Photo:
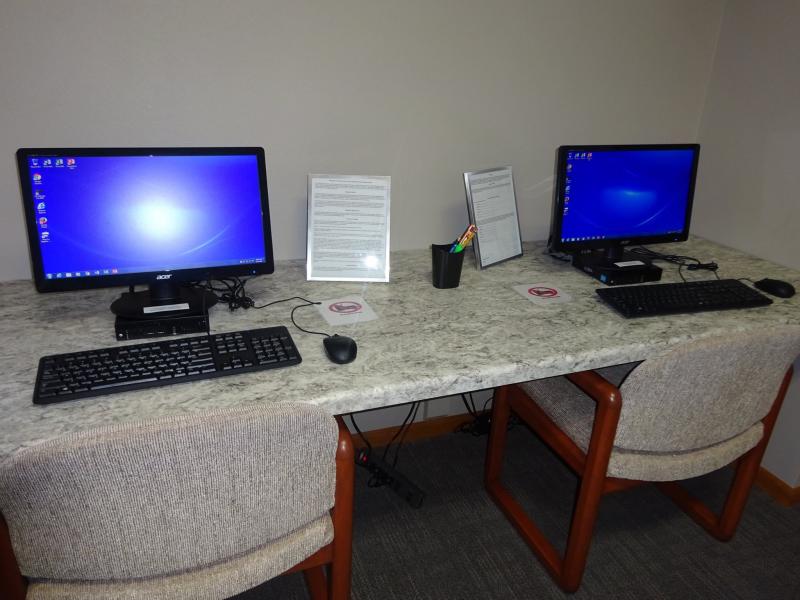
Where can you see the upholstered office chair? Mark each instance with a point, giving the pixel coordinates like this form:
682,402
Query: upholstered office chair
687,412
197,507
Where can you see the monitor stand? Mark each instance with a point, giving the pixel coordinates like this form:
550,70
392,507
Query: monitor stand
614,266
161,310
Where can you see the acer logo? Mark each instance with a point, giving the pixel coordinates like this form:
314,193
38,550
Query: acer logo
167,276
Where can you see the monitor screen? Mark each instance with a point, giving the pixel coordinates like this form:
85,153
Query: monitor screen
122,216
609,195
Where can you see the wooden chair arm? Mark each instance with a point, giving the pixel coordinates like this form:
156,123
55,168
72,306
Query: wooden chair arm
597,388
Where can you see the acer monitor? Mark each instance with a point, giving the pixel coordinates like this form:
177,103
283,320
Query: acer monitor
609,197
160,217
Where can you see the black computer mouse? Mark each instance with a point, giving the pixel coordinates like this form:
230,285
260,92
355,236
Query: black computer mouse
776,287
340,348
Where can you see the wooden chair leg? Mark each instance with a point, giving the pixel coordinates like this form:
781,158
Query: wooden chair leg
341,565
13,585
723,527
567,571
495,452
498,432
316,582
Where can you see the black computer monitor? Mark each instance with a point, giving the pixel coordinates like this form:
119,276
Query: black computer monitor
164,217
609,197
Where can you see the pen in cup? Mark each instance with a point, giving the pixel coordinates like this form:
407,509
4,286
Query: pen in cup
464,239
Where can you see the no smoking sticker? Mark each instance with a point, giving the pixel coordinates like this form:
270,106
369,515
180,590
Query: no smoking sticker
346,311
543,293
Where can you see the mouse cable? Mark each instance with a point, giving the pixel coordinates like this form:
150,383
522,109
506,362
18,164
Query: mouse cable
294,308
232,292
689,262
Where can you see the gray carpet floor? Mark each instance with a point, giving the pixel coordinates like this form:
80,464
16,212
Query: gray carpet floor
458,545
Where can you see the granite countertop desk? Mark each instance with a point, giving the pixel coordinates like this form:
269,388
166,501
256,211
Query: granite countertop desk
426,342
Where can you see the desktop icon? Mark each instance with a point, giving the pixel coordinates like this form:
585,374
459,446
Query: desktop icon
37,176
43,221
58,275
34,162
113,271
70,162
40,207
569,167
47,162
45,236
49,275
59,162
68,275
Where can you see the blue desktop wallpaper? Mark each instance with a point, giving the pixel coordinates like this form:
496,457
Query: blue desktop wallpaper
130,214
628,193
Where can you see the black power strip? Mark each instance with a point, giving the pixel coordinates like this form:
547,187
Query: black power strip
391,477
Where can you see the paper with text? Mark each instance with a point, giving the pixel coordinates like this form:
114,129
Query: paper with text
348,228
493,209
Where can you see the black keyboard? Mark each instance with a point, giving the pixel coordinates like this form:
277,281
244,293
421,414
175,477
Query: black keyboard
64,377
671,298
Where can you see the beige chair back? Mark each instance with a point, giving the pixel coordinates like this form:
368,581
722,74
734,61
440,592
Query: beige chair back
169,495
704,392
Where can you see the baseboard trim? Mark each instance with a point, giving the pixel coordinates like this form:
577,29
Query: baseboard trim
429,428
781,491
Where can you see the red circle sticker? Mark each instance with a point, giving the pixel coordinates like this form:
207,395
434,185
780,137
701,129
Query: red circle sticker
345,308
543,292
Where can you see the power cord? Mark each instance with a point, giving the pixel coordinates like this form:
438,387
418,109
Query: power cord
384,474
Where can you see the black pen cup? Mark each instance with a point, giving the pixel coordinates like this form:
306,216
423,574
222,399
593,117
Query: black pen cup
446,266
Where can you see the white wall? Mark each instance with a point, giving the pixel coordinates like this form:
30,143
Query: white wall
419,90
749,176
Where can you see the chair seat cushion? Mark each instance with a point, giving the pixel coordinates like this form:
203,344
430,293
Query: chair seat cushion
220,580
573,412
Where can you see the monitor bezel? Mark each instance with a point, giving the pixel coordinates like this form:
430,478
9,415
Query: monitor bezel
145,277
556,219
